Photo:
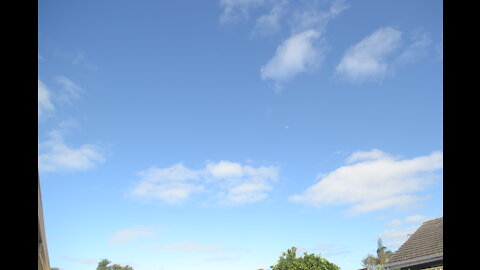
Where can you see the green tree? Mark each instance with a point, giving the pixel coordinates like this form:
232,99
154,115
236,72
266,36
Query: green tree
378,262
289,261
103,265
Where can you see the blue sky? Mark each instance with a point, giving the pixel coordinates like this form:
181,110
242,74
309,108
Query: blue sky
218,134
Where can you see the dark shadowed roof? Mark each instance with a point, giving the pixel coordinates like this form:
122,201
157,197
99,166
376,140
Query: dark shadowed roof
426,241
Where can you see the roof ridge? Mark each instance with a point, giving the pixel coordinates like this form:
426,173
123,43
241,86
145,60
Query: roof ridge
433,219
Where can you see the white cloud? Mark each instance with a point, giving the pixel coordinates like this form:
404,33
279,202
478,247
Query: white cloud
56,155
364,156
225,169
172,185
303,51
241,183
45,104
368,59
230,182
379,182
295,55
127,235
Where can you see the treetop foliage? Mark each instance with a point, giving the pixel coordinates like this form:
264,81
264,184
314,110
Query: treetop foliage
103,265
289,261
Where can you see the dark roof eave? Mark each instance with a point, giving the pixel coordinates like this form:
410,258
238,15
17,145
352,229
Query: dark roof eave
415,261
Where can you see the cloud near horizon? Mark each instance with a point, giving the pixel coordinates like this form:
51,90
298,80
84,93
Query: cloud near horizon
373,181
229,182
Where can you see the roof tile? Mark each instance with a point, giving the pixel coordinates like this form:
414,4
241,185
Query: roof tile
427,240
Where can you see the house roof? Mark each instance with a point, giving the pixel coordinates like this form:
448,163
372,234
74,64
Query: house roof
427,241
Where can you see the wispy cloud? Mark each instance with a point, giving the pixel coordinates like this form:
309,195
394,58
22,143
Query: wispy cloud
222,259
229,182
376,181
128,235
420,40
298,54
395,223
190,246
369,155
415,219
172,185
394,238
312,15
45,104
67,93
55,155
269,23
368,59
69,90
237,10
305,49
439,49
79,58
326,249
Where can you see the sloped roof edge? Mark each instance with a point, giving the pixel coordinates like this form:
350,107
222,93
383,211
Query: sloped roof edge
415,261
426,241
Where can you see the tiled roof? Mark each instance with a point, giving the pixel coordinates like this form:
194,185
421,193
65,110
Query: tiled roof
426,241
